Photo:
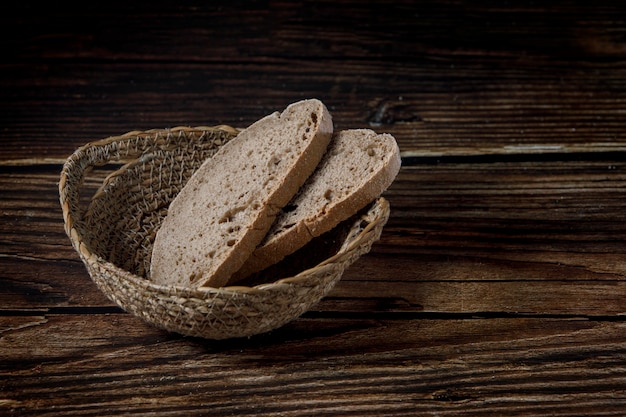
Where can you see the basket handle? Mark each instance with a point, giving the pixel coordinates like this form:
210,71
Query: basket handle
113,149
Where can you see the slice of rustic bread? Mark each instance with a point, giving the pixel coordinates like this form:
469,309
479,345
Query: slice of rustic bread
358,166
226,208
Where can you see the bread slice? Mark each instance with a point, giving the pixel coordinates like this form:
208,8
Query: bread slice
226,208
358,166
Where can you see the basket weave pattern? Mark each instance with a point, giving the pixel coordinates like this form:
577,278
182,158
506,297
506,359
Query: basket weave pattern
114,234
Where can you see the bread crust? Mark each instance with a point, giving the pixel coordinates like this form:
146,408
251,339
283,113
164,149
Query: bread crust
226,208
369,162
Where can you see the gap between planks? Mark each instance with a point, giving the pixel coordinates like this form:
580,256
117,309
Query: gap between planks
512,154
336,314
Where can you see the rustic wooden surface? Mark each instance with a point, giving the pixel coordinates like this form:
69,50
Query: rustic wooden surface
498,286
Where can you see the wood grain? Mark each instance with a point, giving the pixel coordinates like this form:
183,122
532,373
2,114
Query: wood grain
498,285
431,108
525,237
444,78
374,367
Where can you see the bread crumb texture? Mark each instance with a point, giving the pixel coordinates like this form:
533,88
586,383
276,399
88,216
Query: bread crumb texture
349,168
227,206
358,167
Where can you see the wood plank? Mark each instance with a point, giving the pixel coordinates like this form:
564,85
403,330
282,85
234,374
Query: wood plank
367,286
448,88
374,366
430,107
544,203
514,237
517,31
535,298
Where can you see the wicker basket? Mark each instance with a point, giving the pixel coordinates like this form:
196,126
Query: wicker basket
113,232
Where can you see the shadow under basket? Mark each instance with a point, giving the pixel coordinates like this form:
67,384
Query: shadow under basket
113,233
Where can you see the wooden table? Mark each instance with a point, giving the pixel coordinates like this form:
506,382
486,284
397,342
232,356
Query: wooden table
498,286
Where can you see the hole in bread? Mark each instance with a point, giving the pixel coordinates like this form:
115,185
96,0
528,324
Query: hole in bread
210,254
231,242
287,226
268,181
290,207
229,215
314,117
371,151
193,277
274,161
328,195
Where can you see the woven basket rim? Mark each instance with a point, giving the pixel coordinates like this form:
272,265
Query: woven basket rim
199,292
203,291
